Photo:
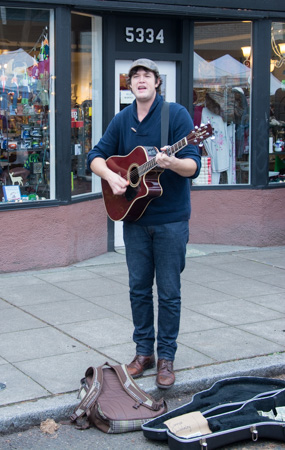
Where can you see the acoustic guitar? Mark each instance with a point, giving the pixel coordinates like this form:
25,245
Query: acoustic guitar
140,168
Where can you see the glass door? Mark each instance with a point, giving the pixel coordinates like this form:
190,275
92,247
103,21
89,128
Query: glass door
124,97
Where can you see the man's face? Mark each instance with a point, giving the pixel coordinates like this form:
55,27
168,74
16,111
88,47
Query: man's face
143,85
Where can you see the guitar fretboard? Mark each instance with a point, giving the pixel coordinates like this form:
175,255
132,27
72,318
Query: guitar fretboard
171,150
196,136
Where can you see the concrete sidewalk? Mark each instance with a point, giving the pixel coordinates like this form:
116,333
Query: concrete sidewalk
55,323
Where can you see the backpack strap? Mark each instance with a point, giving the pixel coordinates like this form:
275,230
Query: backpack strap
164,124
129,385
93,391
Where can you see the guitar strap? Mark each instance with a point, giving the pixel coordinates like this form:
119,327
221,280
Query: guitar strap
164,123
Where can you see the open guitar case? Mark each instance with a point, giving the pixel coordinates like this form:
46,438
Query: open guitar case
236,409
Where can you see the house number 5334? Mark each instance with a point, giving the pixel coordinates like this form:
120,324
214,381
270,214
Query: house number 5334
144,35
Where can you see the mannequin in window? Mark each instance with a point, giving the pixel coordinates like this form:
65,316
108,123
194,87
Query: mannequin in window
218,148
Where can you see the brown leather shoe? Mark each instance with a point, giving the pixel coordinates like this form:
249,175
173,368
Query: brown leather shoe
139,364
165,375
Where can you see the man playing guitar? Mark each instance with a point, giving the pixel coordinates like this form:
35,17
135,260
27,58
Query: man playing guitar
156,241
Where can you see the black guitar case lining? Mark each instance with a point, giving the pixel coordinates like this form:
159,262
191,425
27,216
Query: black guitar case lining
232,408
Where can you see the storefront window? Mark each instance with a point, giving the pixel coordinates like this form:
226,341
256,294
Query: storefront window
222,80
277,105
86,97
26,105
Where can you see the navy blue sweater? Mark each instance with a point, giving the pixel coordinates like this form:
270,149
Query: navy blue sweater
125,132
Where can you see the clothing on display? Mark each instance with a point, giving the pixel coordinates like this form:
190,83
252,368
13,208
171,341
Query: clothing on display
228,113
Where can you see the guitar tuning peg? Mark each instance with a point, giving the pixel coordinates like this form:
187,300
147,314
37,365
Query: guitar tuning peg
196,127
213,137
201,144
202,125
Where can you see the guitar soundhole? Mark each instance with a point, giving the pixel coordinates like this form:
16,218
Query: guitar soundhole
133,176
134,185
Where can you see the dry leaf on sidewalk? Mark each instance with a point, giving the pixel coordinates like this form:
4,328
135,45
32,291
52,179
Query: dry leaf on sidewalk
49,426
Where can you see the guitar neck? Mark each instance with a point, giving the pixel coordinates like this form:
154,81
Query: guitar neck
195,137
171,150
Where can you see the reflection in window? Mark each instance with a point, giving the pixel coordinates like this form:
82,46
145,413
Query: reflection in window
86,101
277,105
25,105
222,78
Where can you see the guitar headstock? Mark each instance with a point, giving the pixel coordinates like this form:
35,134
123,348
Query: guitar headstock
199,134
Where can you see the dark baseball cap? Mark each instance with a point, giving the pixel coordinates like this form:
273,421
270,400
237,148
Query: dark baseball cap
145,63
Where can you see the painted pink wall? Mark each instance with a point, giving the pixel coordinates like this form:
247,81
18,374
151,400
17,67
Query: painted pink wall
52,237
60,236
238,217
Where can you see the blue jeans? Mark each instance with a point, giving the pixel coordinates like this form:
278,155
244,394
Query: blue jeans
156,251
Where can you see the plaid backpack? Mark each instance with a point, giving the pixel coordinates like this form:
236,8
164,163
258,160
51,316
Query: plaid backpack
113,402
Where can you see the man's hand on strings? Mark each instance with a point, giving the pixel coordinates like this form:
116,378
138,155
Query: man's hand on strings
117,183
185,167
164,161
